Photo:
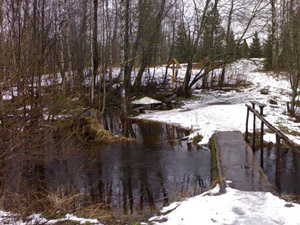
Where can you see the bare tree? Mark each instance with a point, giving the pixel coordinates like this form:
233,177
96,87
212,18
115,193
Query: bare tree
273,33
124,8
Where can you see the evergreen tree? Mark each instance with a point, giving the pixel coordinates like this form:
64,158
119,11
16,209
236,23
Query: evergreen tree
213,36
183,44
267,53
231,47
244,49
255,47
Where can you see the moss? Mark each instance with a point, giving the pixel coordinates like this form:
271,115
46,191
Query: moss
286,130
214,166
197,139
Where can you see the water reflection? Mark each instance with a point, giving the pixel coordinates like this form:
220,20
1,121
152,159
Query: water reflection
132,177
290,169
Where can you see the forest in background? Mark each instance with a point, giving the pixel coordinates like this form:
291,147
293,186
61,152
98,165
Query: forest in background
76,45
78,40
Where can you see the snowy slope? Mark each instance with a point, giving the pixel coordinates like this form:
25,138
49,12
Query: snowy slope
234,207
220,111
224,111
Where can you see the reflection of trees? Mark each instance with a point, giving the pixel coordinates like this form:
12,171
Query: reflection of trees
145,190
170,135
129,176
174,134
118,125
163,187
127,182
127,129
151,134
127,195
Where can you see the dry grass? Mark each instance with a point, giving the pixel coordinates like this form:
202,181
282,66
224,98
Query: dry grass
100,135
216,181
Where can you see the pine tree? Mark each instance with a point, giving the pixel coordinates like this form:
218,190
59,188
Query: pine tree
255,47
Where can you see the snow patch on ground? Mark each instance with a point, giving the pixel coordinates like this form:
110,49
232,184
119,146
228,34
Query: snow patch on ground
233,207
213,111
219,111
10,218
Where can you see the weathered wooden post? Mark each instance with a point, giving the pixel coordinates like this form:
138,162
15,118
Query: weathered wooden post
247,121
262,138
174,65
254,119
288,107
278,163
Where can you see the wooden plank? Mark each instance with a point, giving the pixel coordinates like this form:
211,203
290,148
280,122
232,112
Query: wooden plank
238,164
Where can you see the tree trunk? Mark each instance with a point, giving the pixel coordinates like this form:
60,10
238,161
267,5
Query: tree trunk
222,78
123,55
127,75
82,42
69,63
136,44
62,58
148,53
110,56
187,79
273,34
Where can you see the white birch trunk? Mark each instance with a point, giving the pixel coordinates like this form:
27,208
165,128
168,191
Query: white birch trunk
61,22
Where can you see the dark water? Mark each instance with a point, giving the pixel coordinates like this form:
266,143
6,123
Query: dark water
156,169
290,169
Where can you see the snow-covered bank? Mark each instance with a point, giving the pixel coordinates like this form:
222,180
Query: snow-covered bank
10,218
233,207
215,111
219,110
206,113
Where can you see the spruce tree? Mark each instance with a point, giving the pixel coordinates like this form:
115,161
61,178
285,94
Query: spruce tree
267,53
182,44
231,45
244,49
213,35
255,47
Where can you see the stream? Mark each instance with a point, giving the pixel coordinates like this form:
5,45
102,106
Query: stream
133,177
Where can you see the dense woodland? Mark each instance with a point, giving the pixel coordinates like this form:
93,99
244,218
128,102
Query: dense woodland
78,40
75,47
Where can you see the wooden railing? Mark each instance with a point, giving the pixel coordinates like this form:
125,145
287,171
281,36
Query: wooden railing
279,136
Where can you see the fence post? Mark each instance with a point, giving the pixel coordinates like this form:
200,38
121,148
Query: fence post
247,121
254,118
278,163
262,138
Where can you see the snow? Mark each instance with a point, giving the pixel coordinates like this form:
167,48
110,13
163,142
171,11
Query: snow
206,113
146,101
213,111
233,207
10,218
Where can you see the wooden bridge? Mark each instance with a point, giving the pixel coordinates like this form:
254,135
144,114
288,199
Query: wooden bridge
235,158
237,163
